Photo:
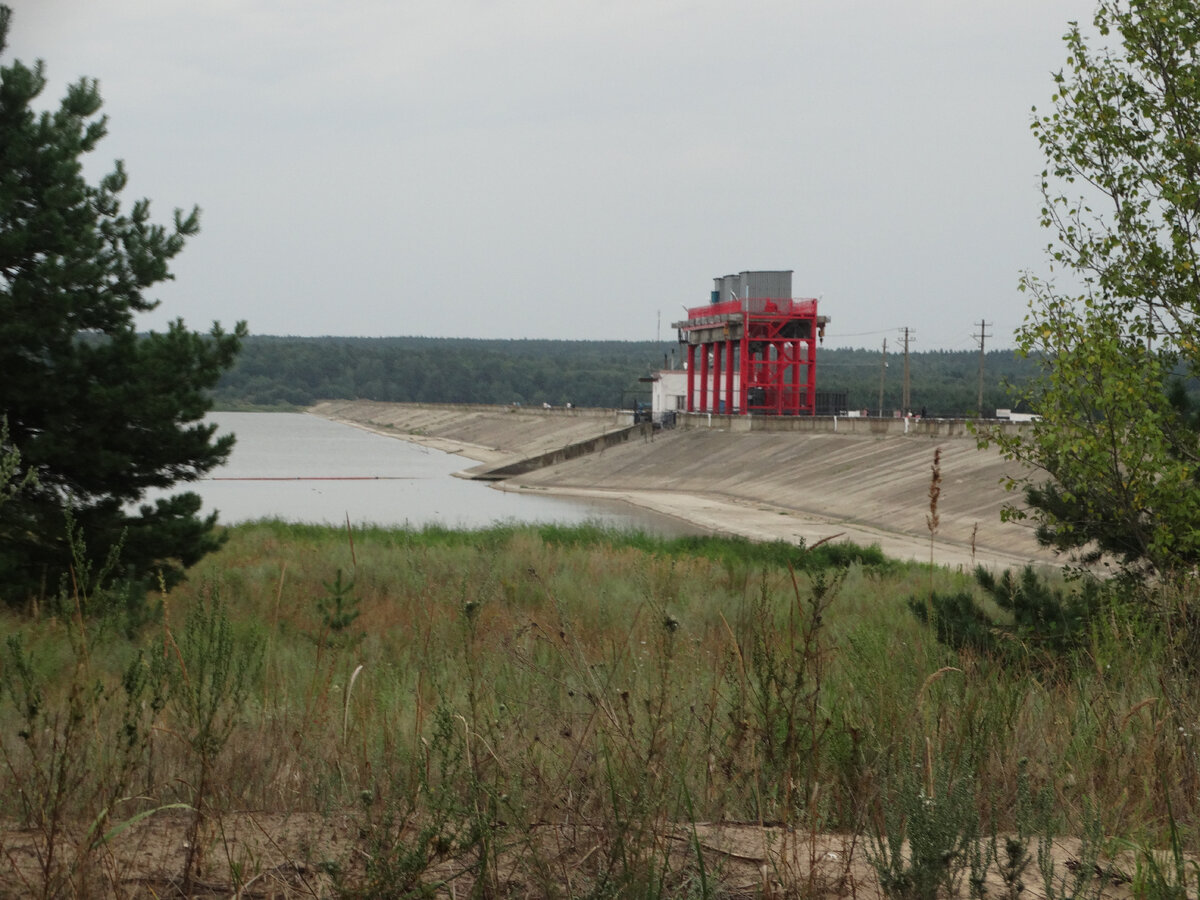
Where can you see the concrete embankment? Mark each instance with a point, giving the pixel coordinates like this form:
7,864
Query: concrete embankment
497,436
864,482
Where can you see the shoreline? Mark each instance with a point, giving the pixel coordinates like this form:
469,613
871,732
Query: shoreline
718,512
759,522
475,452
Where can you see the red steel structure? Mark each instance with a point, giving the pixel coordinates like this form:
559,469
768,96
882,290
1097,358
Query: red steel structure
753,356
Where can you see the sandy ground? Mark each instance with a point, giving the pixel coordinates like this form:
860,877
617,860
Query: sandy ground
267,855
791,487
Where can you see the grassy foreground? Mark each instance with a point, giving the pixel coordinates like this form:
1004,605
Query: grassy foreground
552,712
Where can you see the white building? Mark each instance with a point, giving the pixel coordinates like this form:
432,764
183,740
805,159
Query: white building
668,393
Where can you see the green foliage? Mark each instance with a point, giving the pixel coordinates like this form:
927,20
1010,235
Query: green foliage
12,479
80,743
1038,621
778,698
419,824
1084,876
95,592
211,673
338,609
1014,861
555,719
98,413
1165,876
944,382
1044,616
1121,193
293,372
728,550
923,834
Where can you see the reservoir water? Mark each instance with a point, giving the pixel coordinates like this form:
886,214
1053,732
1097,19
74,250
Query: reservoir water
302,468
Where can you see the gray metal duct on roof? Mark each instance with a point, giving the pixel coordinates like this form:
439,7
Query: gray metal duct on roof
772,285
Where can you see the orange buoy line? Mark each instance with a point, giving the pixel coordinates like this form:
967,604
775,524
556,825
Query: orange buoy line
310,478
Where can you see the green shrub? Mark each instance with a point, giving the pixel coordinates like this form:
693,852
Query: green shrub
1037,619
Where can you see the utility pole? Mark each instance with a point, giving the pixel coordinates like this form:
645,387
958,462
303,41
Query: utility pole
906,401
981,336
882,370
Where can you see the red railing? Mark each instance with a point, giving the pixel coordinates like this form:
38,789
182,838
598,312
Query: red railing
756,306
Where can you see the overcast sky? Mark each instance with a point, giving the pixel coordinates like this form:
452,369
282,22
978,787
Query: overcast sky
570,169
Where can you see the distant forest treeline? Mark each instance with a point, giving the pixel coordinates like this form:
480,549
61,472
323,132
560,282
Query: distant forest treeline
293,371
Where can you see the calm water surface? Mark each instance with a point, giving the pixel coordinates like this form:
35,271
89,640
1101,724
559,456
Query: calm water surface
302,468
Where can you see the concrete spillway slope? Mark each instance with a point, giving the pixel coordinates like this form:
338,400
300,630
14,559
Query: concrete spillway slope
496,436
871,489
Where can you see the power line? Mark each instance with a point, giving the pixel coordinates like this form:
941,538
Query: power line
841,334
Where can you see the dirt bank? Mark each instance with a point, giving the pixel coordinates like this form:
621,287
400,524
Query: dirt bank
793,486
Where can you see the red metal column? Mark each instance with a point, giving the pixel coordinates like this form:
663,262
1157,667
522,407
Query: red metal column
691,367
729,403
801,378
716,378
797,385
744,369
812,371
783,365
704,377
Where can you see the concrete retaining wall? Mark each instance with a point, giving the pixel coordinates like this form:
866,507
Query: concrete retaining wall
561,455
940,428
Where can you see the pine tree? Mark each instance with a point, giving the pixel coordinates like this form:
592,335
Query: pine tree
99,413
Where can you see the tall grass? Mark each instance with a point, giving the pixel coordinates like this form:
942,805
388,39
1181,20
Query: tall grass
564,712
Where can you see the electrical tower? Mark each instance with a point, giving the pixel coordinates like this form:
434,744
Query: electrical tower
906,400
882,372
983,326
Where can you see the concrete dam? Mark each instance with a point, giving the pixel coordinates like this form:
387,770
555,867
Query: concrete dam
765,478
